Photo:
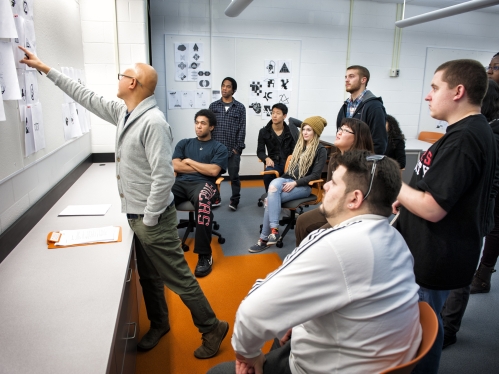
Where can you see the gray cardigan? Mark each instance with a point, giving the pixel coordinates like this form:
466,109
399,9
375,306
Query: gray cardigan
144,169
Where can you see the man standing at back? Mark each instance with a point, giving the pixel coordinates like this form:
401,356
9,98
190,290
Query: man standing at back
363,105
231,132
446,209
144,174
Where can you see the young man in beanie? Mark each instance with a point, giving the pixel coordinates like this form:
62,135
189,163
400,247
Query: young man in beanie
341,300
446,209
363,105
307,162
231,132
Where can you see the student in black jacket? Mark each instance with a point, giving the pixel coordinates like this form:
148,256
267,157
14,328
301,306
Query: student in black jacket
396,141
363,105
278,141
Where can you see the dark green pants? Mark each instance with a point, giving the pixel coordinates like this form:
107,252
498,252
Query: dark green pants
160,261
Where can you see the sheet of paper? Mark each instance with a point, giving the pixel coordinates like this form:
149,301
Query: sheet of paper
181,71
66,120
31,81
19,41
9,84
269,84
29,137
204,79
22,86
270,69
255,107
283,97
2,109
196,52
174,100
193,70
17,7
75,123
284,68
86,210
188,99
216,95
7,25
202,98
29,38
35,116
94,235
256,88
181,52
26,7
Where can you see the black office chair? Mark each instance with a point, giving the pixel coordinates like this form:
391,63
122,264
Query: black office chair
190,224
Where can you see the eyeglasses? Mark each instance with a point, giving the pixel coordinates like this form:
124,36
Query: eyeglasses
374,159
343,129
127,76
495,67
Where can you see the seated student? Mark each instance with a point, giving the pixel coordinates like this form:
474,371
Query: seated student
277,137
396,141
352,134
307,162
198,162
347,293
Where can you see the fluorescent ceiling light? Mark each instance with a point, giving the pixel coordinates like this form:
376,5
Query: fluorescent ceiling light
236,7
446,12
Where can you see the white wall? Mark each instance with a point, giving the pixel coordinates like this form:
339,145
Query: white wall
322,26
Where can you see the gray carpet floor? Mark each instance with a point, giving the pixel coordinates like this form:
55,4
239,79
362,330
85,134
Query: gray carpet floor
477,347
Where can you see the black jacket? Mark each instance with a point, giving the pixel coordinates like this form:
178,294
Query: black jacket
372,112
268,139
396,151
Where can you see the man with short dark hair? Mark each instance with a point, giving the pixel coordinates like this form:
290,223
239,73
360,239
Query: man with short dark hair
198,162
363,105
231,132
278,140
345,295
447,207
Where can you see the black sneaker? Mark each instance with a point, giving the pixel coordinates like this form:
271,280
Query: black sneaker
233,205
204,266
259,246
217,202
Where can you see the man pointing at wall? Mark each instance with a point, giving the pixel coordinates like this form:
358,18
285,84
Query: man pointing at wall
145,177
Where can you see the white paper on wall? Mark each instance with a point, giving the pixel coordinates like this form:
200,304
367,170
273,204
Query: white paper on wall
17,7
188,99
267,108
269,96
75,123
285,84
270,69
29,38
35,120
196,53
256,88
19,41
29,137
269,84
66,120
22,86
26,8
181,71
193,70
181,52
7,25
202,99
174,100
2,110
82,118
283,97
284,68
216,95
9,84
30,77
255,107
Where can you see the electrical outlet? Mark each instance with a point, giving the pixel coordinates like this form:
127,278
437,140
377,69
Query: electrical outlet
394,72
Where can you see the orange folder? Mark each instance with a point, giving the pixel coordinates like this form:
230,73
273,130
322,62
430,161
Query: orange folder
51,243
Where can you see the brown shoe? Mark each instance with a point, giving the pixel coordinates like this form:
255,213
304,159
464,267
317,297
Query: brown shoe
212,340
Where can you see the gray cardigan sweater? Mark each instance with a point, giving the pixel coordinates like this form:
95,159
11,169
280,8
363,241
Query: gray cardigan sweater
144,169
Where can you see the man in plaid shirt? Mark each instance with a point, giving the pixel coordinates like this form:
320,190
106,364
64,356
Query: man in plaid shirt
230,131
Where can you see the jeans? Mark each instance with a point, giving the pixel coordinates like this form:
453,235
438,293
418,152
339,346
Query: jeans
161,261
201,195
453,310
233,170
267,178
436,298
274,199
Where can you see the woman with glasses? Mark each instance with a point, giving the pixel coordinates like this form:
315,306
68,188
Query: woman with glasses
307,161
352,134
493,68
396,141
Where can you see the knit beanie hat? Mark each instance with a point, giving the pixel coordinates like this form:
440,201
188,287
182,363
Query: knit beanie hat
317,123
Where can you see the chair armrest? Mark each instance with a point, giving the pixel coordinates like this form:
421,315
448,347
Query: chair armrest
311,183
219,180
268,172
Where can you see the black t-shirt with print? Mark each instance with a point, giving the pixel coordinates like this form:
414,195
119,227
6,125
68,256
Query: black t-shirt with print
458,172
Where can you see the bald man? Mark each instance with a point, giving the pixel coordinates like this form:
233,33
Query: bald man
144,172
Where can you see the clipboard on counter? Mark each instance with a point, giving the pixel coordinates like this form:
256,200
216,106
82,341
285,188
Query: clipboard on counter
78,238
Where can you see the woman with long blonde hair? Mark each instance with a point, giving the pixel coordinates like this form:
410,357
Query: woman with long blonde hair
307,161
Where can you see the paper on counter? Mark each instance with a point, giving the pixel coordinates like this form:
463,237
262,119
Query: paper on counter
95,235
86,210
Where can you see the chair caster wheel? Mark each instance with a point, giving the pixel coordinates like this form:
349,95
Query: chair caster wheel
221,240
216,226
260,203
185,247
279,244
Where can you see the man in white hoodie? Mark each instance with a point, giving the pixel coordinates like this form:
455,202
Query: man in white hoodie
345,300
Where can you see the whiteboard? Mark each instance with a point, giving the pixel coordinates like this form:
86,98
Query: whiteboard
240,58
434,58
